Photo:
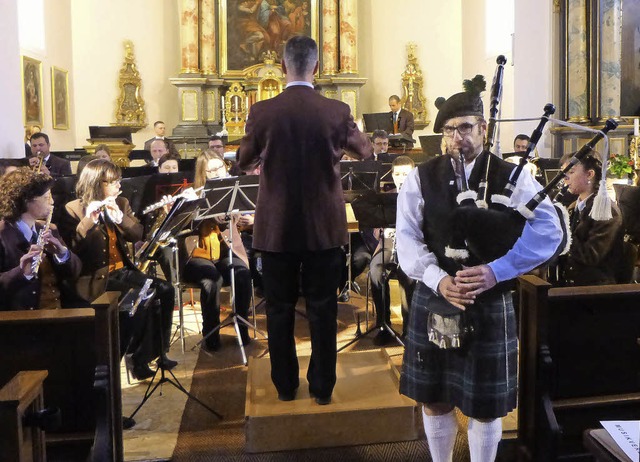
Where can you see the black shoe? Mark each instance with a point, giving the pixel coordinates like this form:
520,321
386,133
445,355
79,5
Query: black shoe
321,400
127,423
382,338
288,396
142,372
344,295
167,364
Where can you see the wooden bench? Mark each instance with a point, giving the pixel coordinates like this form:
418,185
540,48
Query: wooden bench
69,344
579,364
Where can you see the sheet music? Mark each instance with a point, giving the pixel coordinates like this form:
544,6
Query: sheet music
626,434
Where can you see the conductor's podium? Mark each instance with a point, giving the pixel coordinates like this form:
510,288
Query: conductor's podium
366,407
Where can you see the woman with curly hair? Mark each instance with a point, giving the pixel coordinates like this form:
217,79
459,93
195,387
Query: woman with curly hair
25,205
98,226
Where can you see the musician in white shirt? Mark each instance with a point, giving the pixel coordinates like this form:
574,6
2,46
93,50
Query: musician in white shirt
480,377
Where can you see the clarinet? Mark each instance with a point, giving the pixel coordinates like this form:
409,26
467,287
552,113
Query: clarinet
35,264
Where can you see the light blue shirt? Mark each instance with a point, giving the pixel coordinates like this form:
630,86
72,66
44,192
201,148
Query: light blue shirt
540,237
28,232
303,83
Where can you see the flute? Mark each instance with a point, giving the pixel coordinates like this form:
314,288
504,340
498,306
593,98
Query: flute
188,193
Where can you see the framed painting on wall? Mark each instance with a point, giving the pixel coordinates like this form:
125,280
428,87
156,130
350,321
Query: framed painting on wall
249,28
60,98
32,103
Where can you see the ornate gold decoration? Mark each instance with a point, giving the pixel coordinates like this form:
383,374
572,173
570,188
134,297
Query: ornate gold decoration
130,110
634,150
412,88
556,6
235,110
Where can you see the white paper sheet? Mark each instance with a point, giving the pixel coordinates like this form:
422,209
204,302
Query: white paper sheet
626,434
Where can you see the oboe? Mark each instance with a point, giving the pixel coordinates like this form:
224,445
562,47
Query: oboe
35,264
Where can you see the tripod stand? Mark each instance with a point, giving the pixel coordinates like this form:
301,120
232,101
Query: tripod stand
172,381
177,219
377,211
221,200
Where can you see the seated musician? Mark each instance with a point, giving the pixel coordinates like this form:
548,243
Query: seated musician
596,246
209,265
384,259
98,226
169,163
25,201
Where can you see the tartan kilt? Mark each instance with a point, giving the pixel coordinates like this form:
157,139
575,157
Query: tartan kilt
480,378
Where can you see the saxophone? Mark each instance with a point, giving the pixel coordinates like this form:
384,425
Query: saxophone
35,264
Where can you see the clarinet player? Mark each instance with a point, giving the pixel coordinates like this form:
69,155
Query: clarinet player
25,236
479,377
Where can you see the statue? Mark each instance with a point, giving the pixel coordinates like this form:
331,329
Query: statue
412,85
130,110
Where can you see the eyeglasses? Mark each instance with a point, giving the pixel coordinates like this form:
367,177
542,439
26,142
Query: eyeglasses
463,129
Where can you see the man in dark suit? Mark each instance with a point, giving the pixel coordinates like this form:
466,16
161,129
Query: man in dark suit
40,147
25,200
300,222
160,128
401,120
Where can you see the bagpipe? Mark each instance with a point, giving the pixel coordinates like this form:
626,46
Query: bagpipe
482,231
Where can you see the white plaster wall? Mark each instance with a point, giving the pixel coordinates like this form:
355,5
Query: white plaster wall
58,53
12,132
535,66
99,30
477,59
385,31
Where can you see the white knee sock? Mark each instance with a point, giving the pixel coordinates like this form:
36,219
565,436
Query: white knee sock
441,431
483,439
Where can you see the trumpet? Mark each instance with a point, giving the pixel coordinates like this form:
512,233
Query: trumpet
37,167
35,264
188,193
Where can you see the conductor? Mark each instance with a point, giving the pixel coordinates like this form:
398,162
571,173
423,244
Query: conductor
300,222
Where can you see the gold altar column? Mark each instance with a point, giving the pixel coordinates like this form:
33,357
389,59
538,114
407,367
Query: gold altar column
348,19
610,59
329,46
207,37
189,36
577,62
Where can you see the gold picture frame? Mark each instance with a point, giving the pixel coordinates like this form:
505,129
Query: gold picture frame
248,30
32,95
60,98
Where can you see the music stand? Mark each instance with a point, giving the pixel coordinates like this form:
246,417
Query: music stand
378,121
224,197
178,218
377,210
357,178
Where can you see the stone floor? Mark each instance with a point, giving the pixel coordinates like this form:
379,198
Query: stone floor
158,421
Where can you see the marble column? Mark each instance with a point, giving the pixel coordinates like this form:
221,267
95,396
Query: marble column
208,37
189,19
577,61
329,46
610,58
348,20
